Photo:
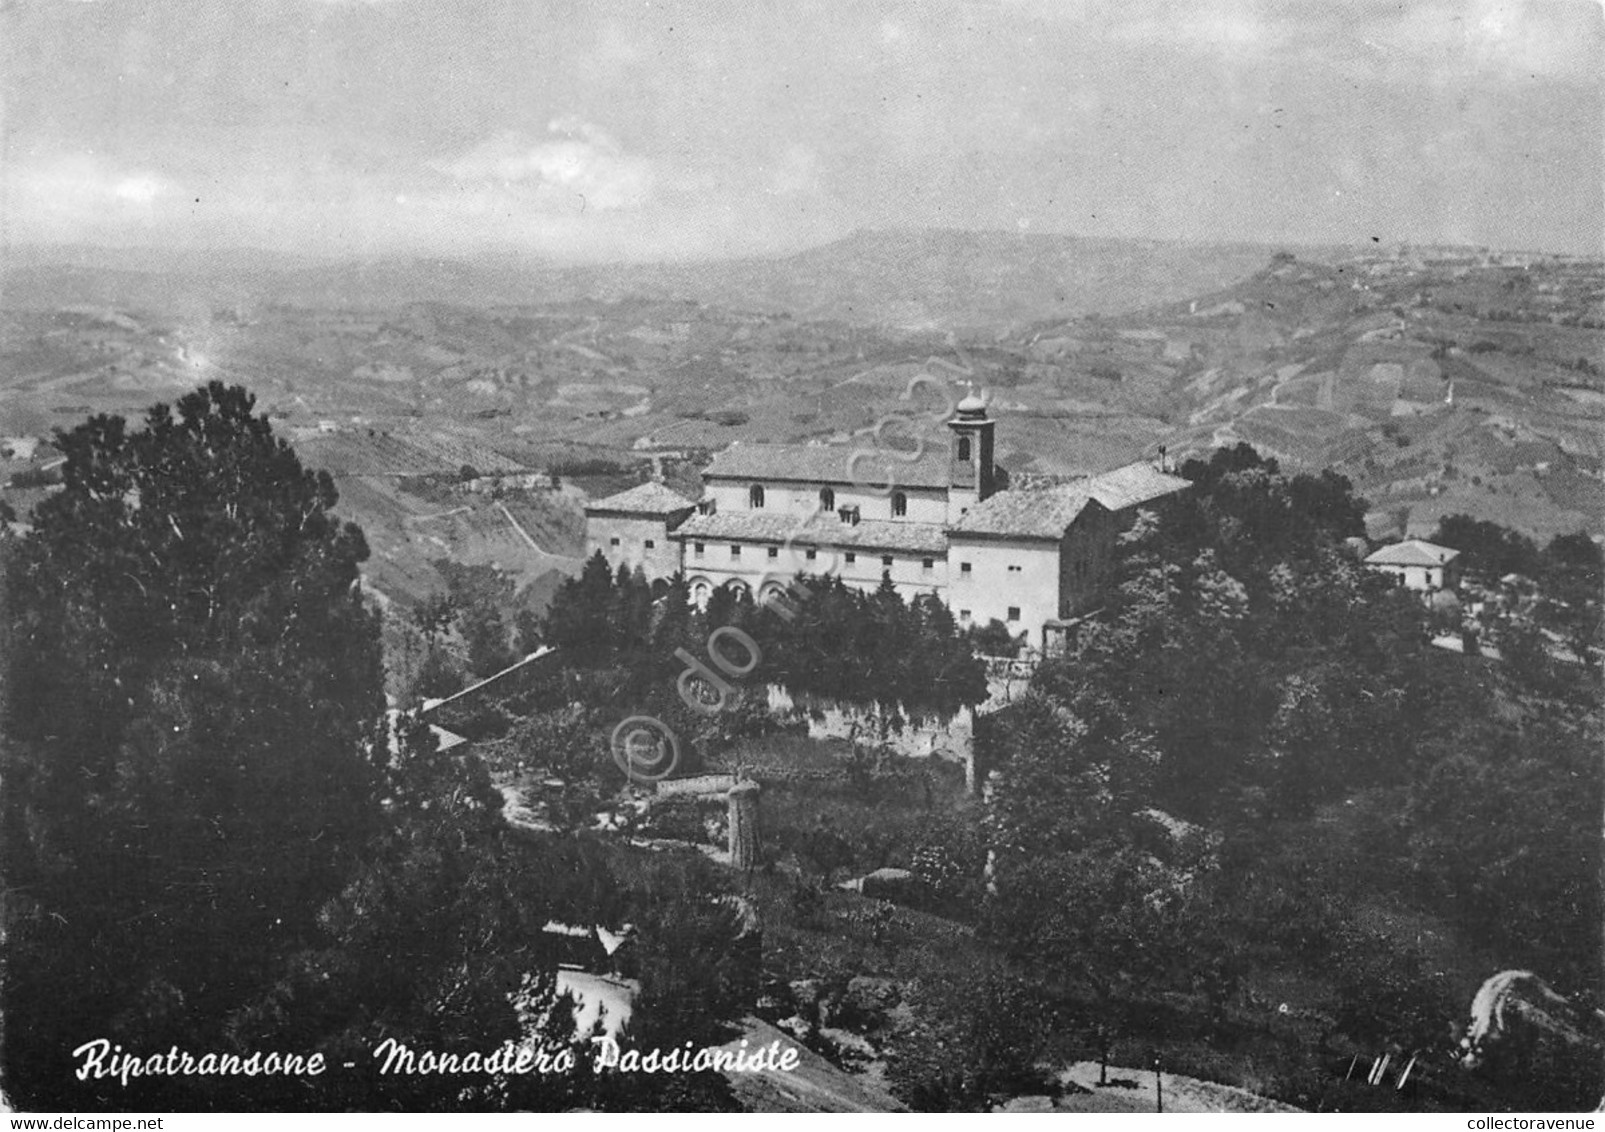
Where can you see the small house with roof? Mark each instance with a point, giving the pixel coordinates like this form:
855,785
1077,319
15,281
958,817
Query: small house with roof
938,520
1419,565
632,529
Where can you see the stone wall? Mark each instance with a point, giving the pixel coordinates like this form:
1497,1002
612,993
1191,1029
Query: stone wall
951,740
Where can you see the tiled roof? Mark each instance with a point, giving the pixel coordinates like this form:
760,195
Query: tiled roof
643,499
1045,512
1132,485
1413,552
1039,513
832,463
825,530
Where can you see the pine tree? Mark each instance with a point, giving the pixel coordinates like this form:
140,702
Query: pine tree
578,620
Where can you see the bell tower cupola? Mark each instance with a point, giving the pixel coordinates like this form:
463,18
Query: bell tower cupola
973,477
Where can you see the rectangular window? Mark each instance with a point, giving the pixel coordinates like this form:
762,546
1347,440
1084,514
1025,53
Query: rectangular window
774,552
1014,613
851,558
613,542
650,544
735,550
813,554
928,564
964,615
701,546
886,560
964,567
1014,569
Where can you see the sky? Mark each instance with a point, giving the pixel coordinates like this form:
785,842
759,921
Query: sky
647,130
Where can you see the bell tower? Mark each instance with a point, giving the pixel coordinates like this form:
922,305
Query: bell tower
972,476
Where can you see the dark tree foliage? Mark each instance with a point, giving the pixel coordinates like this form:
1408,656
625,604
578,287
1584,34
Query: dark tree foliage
846,645
193,680
825,640
1573,600
994,639
1103,924
578,621
434,940
214,841
971,1041
1249,675
477,598
1561,594
1575,553
1490,550
1080,775
1504,828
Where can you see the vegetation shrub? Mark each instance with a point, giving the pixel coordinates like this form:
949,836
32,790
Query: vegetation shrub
690,819
973,1041
588,466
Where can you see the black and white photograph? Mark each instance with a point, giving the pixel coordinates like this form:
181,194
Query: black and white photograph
802,556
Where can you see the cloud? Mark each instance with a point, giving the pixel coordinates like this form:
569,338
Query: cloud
1493,38
70,190
139,190
580,168
1221,27
1423,40
1212,25
794,172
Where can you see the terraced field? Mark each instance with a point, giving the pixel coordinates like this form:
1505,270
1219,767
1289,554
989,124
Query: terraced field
377,452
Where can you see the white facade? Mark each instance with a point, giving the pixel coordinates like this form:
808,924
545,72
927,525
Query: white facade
631,541
1423,578
1419,565
633,528
1015,581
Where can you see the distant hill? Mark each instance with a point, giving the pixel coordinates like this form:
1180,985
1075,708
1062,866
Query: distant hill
1466,382
944,279
1438,380
940,280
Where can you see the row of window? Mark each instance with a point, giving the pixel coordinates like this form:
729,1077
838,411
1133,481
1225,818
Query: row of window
700,591
886,559
701,548
1014,615
827,500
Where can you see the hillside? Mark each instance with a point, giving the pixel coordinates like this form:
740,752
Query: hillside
1439,382
1468,384
929,279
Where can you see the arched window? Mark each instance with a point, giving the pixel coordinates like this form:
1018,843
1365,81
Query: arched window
827,499
964,448
899,505
755,496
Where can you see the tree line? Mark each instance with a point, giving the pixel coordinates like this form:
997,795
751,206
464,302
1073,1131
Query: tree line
825,640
